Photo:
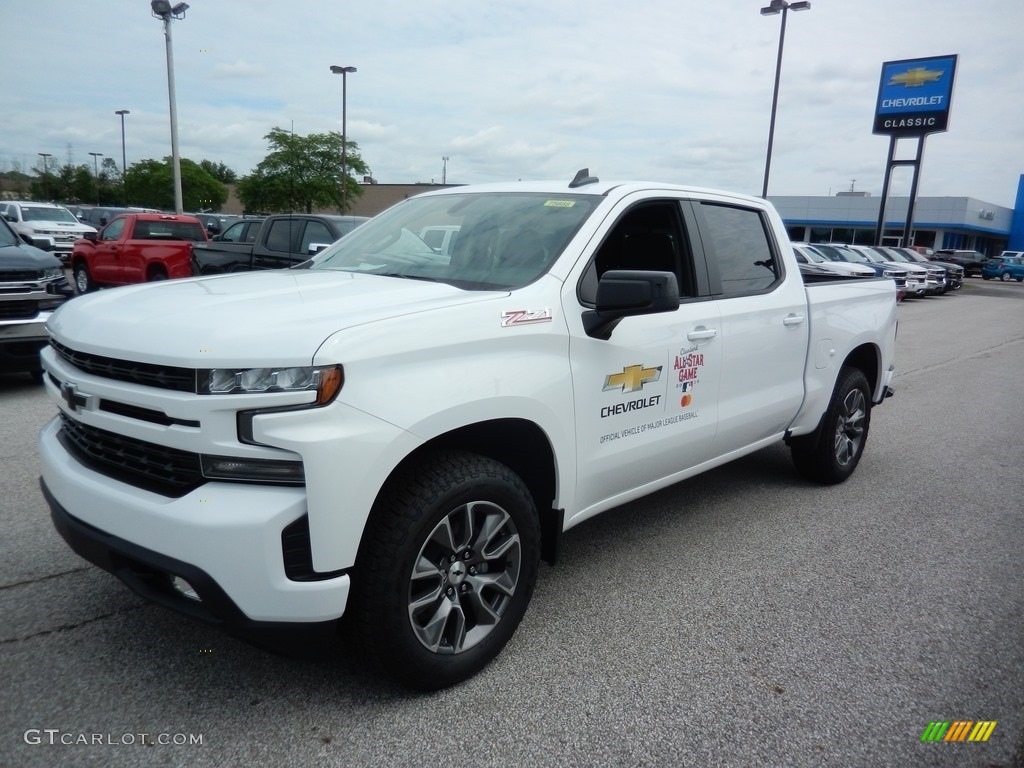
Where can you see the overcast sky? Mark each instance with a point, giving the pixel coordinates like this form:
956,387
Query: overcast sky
665,90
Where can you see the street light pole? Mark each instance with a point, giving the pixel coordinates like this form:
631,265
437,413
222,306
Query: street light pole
46,173
124,161
96,172
774,8
163,10
343,71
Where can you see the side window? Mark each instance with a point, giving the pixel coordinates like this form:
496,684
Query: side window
280,236
233,233
316,232
251,232
113,230
648,237
737,243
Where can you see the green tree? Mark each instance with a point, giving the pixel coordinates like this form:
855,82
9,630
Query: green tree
151,183
302,173
219,171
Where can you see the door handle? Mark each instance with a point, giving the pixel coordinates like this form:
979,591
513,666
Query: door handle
792,320
701,334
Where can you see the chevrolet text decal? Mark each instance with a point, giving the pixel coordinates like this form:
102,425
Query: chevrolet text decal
631,379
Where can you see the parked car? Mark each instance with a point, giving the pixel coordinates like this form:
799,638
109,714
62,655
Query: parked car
46,220
32,286
954,272
215,223
1004,254
136,248
917,277
241,231
935,281
1005,268
396,438
843,254
282,241
971,261
808,254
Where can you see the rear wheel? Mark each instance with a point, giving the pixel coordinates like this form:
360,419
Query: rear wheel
831,454
445,570
156,273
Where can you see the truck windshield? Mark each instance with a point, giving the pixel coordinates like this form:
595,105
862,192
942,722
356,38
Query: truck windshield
39,213
480,241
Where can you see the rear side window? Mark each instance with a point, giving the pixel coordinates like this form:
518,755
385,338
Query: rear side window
316,232
740,248
168,230
280,236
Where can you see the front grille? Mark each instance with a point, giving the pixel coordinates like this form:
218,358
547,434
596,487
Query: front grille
147,374
18,310
156,468
21,276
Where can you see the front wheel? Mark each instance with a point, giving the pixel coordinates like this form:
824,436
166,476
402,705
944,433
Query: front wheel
445,569
83,279
1005,277
831,454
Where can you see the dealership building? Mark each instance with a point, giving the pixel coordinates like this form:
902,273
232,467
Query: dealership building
939,222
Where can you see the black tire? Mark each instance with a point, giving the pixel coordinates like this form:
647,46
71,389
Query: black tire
83,279
445,569
1005,277
156,273
831,454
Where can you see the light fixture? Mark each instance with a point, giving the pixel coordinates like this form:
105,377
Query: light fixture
163,10
775,7
124,162
343,71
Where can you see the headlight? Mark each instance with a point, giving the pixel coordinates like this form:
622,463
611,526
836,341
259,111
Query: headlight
326,381
53,273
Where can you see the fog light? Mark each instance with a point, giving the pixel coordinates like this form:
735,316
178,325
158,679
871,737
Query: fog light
185,589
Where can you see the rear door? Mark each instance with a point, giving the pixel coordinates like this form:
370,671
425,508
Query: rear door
279,242
763,323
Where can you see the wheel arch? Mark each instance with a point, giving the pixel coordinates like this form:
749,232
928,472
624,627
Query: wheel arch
867,359
523,447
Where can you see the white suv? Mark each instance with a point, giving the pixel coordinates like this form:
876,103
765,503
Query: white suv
46,220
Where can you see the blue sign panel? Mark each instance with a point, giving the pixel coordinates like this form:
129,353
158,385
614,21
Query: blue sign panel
914,96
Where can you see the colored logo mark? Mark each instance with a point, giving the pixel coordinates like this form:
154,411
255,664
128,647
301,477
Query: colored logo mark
632,378
958,730
916,77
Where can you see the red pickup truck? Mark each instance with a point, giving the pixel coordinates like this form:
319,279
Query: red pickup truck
136,248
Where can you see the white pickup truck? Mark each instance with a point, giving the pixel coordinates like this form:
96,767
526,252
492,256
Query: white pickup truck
399,432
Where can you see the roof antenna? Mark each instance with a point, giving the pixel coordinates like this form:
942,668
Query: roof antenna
583,178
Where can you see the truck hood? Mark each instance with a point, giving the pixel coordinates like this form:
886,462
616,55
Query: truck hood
17,258
62,226
242,319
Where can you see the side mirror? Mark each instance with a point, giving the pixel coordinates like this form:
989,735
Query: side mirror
626,293
315,248
92,237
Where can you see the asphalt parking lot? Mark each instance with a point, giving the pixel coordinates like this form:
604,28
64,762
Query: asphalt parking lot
742,618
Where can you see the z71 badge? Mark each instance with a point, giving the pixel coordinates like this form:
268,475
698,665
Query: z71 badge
525,317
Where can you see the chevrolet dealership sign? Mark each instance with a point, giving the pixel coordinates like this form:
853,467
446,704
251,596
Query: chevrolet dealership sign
914,96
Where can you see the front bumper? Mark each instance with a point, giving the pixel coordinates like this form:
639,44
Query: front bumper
224,539
20,342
